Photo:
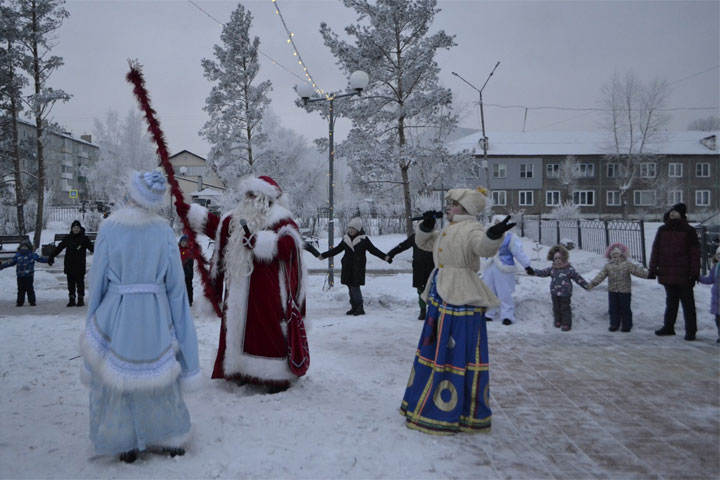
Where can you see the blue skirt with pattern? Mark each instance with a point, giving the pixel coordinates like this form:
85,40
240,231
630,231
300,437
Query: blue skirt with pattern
448,389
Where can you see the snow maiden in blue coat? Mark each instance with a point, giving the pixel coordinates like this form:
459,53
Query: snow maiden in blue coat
139,344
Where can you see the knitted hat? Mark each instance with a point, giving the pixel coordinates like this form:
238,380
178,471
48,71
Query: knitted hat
147,189
262,185
623,249
76,222
356,223
681,208
472,200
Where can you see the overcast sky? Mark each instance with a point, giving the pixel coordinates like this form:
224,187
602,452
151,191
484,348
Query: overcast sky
552,54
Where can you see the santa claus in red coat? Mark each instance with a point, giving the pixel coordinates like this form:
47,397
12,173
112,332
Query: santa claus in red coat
258,276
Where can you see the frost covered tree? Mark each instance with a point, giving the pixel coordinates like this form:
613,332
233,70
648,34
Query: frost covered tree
391,42
40,19
634,122
235,105
12,83
124,145
709,124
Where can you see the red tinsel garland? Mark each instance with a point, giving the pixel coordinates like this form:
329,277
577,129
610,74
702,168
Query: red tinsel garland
135,77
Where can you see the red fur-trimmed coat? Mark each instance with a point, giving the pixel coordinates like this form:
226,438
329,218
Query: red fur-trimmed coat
253,335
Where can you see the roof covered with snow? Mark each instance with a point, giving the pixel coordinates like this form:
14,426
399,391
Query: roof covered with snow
581,143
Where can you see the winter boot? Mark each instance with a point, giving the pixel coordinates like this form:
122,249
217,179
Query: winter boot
353,307
689,336
359,309
80,302
507,321
665,331
172,451
423,313
71,303
129,457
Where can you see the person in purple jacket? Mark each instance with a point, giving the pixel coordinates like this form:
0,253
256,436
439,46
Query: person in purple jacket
561,274
713,278
675,262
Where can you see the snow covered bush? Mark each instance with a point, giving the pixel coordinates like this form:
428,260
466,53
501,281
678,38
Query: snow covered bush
566,211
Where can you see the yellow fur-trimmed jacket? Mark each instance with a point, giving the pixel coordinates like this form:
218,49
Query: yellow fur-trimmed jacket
457,250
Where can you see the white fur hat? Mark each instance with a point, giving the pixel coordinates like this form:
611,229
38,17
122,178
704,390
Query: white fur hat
356,223
472,200
147,189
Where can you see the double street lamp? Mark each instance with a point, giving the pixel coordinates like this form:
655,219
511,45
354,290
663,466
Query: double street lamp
482,121
358,82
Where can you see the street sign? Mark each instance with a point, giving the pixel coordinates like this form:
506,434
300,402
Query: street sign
73,194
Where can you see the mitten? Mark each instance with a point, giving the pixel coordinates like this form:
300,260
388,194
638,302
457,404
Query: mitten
529,270
496,231
428,222
51,260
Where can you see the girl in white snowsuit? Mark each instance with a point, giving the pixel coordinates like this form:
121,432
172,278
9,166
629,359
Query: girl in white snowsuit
618,270
499,274
139,345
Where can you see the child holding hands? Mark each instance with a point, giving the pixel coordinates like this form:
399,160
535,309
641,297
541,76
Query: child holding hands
561,274
618,270
713,278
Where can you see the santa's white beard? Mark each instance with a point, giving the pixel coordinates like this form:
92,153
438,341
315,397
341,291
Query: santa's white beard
239,258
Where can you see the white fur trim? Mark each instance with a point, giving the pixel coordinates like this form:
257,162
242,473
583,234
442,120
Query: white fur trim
503,267
197,217
266,242
254,184
193,382
131,215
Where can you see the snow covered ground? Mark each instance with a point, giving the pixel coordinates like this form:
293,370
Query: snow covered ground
582,404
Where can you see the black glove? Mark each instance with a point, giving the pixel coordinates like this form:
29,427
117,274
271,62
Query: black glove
651,276
428,222
530,270
51,261
497,231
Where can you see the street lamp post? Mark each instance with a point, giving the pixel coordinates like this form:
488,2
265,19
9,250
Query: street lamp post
358,82
482,122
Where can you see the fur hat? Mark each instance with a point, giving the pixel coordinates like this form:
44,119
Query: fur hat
262,185
147,189
472,200
564,254
356,223
681,208
624,249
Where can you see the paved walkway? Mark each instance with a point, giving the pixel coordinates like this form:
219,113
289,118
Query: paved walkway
603,408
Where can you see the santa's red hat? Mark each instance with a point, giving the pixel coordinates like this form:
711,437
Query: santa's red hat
262,185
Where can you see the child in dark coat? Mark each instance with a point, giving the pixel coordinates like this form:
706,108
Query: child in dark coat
76,244
561,274
355,244
187,264
25,260
422,267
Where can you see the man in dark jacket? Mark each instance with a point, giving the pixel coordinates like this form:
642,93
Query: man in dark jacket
355,244
76,244
422,267
675,262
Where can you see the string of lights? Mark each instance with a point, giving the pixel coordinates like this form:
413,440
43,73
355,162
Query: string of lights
275,62
296,52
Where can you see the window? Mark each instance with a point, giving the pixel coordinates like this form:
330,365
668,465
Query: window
675,196
675,170
584,198
499,171
702,170
612,198
644,198
552,198
702,198
552,170
612,170
499,197
526,198
647,169
526,170
584,170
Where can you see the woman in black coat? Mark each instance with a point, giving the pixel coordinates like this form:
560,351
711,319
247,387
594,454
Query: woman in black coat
75,244
422,267
355,244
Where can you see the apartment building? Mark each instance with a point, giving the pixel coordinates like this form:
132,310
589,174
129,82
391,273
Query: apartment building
529,171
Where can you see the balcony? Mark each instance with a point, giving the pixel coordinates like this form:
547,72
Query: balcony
67,175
